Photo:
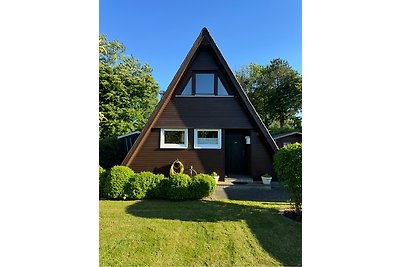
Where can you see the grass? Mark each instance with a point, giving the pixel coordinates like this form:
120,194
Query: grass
197,233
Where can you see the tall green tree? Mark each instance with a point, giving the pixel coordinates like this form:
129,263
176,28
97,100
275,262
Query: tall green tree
127,90
274,90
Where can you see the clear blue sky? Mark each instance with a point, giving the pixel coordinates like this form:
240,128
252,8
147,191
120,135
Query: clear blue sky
161,33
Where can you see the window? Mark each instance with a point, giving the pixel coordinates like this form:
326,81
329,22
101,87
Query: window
207,138
174,138
221,88
188,88
204,84
286,143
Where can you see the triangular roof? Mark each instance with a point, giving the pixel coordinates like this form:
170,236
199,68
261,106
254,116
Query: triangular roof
204,37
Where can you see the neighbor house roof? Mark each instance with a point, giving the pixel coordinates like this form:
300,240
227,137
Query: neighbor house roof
204,37
128,134
277,136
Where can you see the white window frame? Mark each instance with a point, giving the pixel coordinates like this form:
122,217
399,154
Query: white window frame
174,146
207,146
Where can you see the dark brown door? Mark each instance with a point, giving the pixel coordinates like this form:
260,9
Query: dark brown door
235,152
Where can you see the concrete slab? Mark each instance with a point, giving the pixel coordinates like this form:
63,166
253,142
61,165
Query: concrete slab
254,191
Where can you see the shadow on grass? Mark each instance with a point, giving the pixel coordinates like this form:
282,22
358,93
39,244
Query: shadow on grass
278,236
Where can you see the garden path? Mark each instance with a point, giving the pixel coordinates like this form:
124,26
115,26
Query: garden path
255,191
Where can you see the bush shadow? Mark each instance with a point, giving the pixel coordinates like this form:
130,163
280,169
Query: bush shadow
278,236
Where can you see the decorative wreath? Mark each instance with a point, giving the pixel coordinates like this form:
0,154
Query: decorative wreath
176,167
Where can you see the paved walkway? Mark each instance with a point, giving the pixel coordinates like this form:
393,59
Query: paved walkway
254,192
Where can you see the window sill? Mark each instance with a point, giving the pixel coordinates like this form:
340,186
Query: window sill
206,147
173,147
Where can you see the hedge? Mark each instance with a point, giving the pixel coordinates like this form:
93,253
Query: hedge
177,187
122,183
202,185
288,167
116,181
145,185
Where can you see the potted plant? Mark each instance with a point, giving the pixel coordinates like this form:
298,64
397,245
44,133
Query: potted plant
216,176
266,178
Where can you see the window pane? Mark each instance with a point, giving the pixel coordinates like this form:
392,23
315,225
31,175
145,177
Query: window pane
174,137
221,88
204,84
207,137
188,88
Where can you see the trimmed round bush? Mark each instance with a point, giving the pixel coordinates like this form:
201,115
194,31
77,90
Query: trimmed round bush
287,164
121,182
155,187
145,185
116,181
202,185
177,187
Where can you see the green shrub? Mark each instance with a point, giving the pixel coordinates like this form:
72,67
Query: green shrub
102,176
145,185
214,174
101,170
116,182
177,187
160,191
202,185
109,152
121,182
156,187
287,164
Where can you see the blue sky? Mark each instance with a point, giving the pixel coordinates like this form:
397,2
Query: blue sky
161,33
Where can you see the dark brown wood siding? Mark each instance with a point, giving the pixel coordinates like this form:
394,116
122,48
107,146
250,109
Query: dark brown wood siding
291,138
152,158
204,60
204,112
261,157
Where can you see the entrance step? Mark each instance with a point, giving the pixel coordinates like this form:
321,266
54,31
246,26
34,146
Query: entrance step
238,179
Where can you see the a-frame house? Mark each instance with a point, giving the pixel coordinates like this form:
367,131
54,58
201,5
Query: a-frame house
205,120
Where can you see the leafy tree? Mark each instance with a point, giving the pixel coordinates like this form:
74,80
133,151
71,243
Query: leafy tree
292,124
109,152
274,90
127,90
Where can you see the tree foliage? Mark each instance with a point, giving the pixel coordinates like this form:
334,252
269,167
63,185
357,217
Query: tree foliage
127,90
274,90
288,167
109,152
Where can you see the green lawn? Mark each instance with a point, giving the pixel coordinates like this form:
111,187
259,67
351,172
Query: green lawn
197,233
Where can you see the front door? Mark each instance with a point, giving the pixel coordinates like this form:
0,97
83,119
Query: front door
235,152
